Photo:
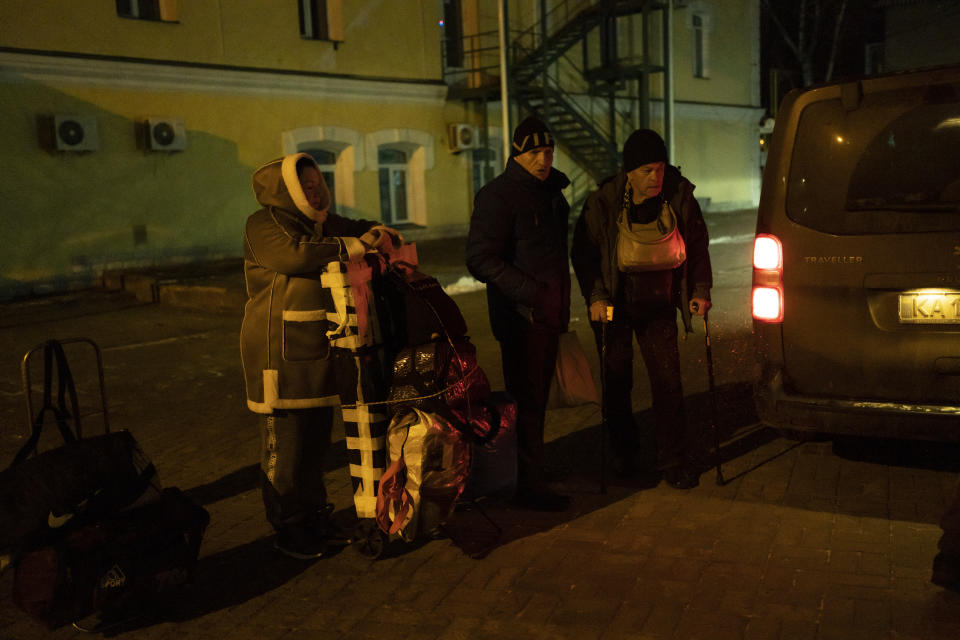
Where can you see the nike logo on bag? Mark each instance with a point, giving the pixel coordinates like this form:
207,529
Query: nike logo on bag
55,522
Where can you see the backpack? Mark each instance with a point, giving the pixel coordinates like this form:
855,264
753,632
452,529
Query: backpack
414,309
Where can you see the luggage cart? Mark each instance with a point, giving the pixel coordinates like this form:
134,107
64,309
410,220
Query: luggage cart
357,342
55,360
370,327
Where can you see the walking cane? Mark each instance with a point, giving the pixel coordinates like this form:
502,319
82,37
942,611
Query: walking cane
713,396
603,405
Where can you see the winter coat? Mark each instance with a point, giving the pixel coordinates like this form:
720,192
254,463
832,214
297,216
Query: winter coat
284,347
594,248
517,245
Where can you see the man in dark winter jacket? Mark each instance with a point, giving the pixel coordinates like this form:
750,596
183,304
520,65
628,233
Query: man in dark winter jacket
289,375
641,300
517,245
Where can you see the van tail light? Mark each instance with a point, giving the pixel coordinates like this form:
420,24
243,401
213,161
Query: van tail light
767,300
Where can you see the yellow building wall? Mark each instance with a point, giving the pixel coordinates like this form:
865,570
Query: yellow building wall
70,214
730,55
385,39
67,205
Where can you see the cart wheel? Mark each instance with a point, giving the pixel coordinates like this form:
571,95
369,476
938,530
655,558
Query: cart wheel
369,540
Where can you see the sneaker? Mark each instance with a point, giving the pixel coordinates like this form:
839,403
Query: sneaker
327,530
297,541
542,499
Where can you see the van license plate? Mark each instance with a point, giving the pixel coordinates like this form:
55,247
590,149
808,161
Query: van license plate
930,308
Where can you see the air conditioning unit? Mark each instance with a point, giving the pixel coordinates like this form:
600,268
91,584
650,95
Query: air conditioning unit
166,133
461,137
74,133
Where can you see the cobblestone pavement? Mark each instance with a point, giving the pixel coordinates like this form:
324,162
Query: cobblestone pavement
821,540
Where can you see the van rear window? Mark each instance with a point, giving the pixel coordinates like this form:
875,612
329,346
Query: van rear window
891,165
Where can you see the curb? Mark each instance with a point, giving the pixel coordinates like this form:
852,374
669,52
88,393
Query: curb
178,293
203,297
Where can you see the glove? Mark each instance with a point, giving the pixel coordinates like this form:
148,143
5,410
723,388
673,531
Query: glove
372,238
375,236
700,306
600,311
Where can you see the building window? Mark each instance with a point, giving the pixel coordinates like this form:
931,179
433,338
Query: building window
393,185
321,20
452,34
699,46
160,10
327,160
873,58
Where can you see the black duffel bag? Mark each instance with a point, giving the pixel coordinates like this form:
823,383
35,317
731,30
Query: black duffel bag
117,567
42,494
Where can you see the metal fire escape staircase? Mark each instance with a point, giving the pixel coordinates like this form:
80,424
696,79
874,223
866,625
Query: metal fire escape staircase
592,147
577,98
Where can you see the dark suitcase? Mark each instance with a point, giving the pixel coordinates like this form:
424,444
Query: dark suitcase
115,567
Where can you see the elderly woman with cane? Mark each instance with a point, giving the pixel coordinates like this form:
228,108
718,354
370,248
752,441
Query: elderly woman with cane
640,252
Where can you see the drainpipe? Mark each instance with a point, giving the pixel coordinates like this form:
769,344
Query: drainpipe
668,78
546,67
504,92
645,72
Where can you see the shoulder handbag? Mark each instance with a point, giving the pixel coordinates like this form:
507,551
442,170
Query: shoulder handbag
654,246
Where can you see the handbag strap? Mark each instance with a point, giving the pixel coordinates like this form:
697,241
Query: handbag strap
393,494
623,217
53,352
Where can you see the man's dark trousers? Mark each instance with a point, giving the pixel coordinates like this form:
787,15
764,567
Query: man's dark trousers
529,355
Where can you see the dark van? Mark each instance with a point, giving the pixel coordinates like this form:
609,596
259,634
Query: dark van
856,268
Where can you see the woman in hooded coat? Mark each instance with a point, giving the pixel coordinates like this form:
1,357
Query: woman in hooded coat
290,377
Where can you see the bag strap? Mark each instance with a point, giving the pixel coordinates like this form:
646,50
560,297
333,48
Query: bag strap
66,385
53,352
393,494
623,217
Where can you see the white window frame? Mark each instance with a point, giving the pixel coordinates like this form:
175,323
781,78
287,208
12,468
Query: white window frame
701,26
167,10
419,146
392,169
332,20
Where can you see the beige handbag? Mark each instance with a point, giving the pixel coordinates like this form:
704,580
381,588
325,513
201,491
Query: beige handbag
654,246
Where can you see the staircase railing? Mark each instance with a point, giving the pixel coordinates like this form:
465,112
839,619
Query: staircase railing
548,82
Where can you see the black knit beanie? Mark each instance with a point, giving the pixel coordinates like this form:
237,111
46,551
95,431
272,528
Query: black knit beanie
643,147
530,134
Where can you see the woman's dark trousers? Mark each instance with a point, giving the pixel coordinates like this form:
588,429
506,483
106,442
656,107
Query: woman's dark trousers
294,446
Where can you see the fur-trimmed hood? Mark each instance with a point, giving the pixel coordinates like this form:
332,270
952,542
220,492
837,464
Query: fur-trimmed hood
276,184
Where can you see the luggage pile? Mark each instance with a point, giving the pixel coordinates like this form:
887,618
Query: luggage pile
93,537
417,408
